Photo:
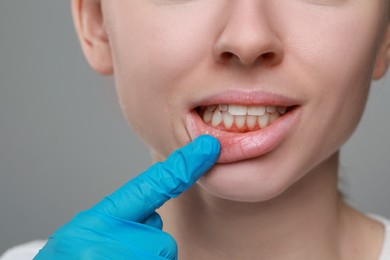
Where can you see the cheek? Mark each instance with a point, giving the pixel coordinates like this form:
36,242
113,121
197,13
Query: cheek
334,58
152,64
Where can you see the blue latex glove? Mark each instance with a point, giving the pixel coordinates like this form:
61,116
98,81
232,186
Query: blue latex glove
125,225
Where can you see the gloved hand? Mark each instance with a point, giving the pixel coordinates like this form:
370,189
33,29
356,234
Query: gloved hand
124,225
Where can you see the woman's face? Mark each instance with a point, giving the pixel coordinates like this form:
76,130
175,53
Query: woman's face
294,75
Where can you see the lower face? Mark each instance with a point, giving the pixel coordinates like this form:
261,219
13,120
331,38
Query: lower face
277,121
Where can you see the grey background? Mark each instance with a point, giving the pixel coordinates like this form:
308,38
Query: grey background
64,143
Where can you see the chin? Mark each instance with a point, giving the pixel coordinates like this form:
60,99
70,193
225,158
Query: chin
254,180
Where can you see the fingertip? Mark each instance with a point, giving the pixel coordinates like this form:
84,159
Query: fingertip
210,145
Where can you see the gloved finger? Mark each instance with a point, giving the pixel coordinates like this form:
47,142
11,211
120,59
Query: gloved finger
154,220
141,196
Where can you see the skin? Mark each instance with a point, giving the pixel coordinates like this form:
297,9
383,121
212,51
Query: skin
167,55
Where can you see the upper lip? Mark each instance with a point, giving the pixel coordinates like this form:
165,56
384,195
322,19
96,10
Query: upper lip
248,98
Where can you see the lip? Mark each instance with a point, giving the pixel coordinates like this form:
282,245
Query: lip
242,146
247,98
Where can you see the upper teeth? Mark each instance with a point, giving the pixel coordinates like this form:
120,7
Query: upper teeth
256,110
237,110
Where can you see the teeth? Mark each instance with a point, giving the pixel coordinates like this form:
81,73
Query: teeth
237,110
271,109
223,108
240,121
282,110
228,120
273,117
263,121
217,118
242,118
256,110
207,116
251,121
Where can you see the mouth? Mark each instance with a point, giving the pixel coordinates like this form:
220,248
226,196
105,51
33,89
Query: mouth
240,118
246,127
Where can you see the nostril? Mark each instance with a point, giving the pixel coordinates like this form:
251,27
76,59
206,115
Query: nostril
226,56
268,56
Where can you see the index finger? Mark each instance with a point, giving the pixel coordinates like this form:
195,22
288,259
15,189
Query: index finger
141,196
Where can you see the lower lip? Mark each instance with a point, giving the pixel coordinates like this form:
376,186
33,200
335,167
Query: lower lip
242,146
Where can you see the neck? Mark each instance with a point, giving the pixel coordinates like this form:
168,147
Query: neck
301,223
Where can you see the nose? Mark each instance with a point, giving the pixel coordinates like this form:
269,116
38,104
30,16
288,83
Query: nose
247,37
